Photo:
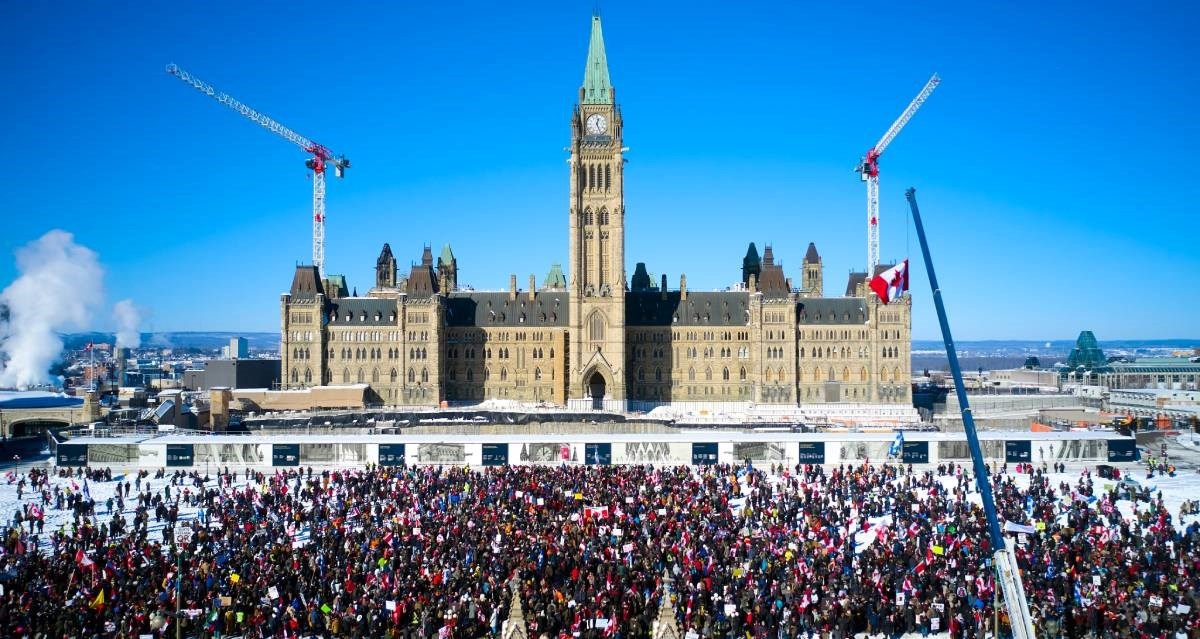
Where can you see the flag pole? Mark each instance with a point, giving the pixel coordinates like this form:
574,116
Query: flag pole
1005,566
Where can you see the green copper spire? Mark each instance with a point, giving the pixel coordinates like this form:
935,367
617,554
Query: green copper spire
596,87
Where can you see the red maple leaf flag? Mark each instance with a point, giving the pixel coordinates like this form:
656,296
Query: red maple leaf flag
892,283
83,560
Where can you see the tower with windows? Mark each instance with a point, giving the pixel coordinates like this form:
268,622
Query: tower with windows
597,237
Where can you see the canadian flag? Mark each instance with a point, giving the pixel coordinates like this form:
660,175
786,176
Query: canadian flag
892,283
83,560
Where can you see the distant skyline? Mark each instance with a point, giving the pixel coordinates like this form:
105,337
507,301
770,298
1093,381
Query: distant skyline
1052,163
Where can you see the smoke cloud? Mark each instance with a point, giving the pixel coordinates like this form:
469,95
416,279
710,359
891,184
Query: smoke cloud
128,318
60,283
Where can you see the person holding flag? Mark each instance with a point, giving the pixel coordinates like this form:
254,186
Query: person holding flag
897,448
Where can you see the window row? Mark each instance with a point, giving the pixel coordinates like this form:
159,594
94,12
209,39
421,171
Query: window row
595,177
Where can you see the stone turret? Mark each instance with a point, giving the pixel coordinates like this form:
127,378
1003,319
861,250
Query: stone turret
515,627
813,276
447,268
665,626
385,268
555,279
641,278
751,265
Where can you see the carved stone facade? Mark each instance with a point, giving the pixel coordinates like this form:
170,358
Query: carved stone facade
590,339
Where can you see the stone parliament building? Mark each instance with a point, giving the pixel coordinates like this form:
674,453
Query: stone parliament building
592,337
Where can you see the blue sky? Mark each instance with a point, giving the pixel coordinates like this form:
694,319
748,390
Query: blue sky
1053,165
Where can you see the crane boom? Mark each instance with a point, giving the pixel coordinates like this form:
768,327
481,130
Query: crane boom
907,115
868,170
1008,573
321,155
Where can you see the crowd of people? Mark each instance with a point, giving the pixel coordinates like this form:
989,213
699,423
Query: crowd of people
435,551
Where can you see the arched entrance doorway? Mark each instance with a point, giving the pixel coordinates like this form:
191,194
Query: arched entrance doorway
596,390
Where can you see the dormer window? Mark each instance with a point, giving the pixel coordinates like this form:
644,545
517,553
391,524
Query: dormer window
349,317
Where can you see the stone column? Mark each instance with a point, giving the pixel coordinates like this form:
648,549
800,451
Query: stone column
515,627
665,626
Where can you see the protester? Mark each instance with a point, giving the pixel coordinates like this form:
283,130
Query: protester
432,552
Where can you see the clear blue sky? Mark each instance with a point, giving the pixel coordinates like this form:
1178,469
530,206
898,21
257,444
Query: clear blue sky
1054,165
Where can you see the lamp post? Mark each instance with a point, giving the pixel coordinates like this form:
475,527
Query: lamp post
182,539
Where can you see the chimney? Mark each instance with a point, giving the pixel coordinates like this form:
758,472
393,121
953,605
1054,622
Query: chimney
683,287
512,286
752,284
532,287
663,289
122,357
788,283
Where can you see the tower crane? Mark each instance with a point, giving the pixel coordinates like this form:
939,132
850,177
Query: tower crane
321,158
868,171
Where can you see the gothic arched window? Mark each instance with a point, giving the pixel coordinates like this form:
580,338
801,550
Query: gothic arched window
607,177
596,327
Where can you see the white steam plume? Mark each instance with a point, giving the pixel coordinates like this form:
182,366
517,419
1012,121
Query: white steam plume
128,318
59,285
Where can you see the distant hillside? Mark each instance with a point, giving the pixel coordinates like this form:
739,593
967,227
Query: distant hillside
1000,354
181,339
1002,347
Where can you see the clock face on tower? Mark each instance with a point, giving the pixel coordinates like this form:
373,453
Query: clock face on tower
596,124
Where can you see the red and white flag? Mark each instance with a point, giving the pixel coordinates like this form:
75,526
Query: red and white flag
892,283
83,560
595,511
88,347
